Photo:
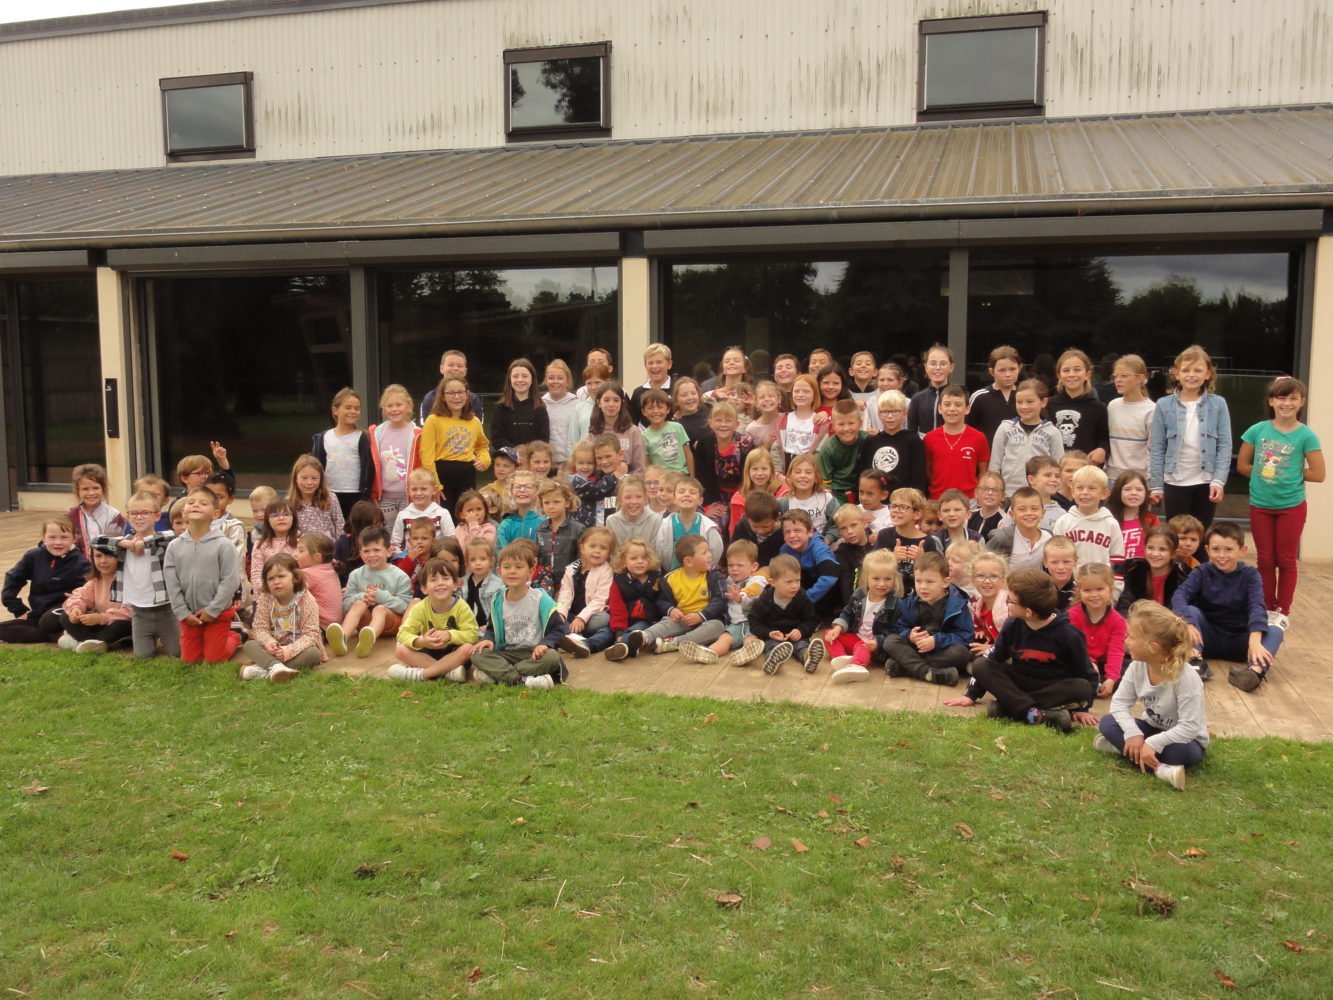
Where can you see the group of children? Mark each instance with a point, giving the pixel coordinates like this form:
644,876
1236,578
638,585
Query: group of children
944,536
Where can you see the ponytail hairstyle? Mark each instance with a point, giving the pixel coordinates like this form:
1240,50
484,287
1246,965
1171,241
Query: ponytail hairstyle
1040,388
1161,627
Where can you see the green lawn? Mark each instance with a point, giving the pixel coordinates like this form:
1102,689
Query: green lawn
336,838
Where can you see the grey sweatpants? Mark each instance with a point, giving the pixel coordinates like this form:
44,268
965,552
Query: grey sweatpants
304,660
150,624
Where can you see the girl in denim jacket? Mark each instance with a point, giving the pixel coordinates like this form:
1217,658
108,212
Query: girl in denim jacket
1190,450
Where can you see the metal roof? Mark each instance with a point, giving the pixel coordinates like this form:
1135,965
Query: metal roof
1259,158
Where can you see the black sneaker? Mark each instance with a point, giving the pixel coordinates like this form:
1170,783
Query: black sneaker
946,676
1058,718
634,642
1244,678
814,655
617,651
1201,665
777,656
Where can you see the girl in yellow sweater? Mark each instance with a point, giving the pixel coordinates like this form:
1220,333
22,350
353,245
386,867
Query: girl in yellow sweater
453,445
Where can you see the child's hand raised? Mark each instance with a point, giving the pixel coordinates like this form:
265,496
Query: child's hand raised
219,454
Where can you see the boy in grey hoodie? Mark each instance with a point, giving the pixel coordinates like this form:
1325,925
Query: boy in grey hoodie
202,573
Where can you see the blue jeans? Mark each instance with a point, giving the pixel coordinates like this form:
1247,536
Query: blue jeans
597,632
1229,645
635,626
798,647
1188,754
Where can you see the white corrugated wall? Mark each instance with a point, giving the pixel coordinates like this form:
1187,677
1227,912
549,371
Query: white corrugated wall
428,75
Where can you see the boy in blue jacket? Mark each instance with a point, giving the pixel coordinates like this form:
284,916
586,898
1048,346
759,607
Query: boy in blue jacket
931,640
519,645
1223,602
820,570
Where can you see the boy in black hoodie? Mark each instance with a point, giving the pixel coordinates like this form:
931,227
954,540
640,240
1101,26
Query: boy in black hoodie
785,618
1038,670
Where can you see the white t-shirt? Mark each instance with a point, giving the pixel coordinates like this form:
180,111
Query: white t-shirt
866,630
879,519
137,583
798,437
342,469
1188,470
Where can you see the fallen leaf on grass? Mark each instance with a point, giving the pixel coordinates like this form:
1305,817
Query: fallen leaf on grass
728,777
36,788
517,822
474,974
229,934
784,809
999,742
823,814
1293,946
525,779
1225,980
180,855
798,847
997,796
406,694
691,805
863,842
370,871
897,863
710,717
1150,898
729,900
965,830
1195,852
834,798
763,844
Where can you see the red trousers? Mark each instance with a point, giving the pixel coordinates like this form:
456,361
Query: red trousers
212,643
851,644
1277,540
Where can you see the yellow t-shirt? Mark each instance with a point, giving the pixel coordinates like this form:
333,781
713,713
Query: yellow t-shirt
691,592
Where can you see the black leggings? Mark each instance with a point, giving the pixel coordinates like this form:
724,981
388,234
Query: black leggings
25,630
110,633
1189,500
456,478
345,501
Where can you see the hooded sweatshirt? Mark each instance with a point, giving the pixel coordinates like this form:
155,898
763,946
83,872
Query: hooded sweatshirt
1096,536
201,573
49,578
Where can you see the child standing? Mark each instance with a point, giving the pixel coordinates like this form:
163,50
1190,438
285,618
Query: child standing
1102,626
557,534
905,539
867,620
934,633
805,480
285,637
797,432
308,495
1173,733
1223,602
202,573
840,454
611,416
1288,456
784,617
657,366
141,583
689,407
1078,413
421,503
923,413
585,590
1129,418
395,449
763,428
93,620
520,416
633,601
377,594
314,555
279,534
228,523
953,518
1039,666
1043,474
1128,505
955,453
1026,436
720,455
863,385
990,407
92,515
52,571
519,645
665,442
560,403
1189,455
472,520
453,445
439,634
688,520
896,451
345,452
988,512
1023,542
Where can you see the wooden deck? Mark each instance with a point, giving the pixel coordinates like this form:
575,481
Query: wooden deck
1295,702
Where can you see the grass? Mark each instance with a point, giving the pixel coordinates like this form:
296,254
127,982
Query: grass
337,838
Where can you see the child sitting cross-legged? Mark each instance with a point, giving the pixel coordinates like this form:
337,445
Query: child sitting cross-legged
633,603
438,636
932,638
519,646
92,617
784,617
314,554
284,634
744,584
867,620
1038,670
761,525
1101,625
585,594
1173,733
376,597
687,520
691,601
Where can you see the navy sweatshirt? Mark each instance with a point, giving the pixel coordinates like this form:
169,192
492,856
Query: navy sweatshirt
1233,602
1051,653
50,579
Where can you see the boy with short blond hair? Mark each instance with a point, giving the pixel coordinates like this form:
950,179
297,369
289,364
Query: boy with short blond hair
1093,529
1059,561
896,451
657,366
421,503
202,573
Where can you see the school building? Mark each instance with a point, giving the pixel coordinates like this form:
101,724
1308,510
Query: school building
213,216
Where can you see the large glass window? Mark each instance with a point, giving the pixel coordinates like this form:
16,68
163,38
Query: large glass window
208,117
493,316
1241,307
251,362
57,391
562,92
981,67
886,305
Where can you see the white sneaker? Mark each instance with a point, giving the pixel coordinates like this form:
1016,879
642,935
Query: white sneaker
838,662
481,678
576,644
365,641
281,674
1173,775
543,682
253,672
1276,619
1100,742
696,653
336,640
67,641
402,672
458,675
752,649
850,673
91,646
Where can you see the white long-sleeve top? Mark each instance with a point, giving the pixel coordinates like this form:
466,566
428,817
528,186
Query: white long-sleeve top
1176,709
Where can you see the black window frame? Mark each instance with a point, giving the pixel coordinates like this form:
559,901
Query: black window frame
577,130
246,150
982,109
